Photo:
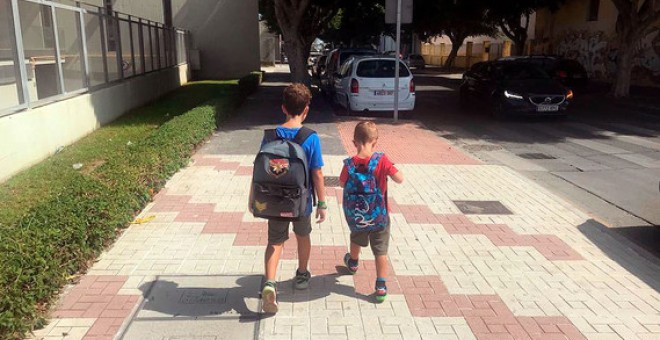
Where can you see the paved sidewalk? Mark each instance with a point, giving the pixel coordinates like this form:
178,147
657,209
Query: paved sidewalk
523,265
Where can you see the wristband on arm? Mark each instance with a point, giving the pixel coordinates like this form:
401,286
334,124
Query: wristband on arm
322,205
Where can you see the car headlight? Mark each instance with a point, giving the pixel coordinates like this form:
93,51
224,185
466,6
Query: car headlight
512,95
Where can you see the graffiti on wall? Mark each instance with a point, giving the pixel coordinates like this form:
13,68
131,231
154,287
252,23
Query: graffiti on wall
597,53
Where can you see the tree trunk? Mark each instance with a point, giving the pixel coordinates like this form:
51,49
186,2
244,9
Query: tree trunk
452,55
520,47
624,66
297,50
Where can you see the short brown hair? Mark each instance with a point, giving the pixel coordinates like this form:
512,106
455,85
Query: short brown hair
296,97
365,132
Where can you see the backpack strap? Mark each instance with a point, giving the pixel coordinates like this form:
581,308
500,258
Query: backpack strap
302,135
373,162
270,135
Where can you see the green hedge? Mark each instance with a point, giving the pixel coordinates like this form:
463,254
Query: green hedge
59,236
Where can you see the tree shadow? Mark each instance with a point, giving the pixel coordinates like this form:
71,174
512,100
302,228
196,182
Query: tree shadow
645,265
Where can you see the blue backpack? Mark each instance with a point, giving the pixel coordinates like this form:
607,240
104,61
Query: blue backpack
364,202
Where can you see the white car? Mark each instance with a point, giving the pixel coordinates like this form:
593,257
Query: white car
367,84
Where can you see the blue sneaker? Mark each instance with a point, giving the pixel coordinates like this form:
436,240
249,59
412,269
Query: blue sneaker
381,290
351,264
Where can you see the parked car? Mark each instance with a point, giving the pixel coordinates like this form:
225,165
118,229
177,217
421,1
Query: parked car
319,67
416,61
514,88
568,71
366,83
334,62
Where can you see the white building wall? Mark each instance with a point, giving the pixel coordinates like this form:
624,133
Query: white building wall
30,136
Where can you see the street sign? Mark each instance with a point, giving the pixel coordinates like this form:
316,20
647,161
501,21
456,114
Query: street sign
406,11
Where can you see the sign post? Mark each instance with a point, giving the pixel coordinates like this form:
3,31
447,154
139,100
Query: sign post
397,60
403,14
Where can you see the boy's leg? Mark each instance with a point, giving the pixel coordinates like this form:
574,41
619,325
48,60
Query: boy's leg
278,233
358,240
272,259
302,229
380,241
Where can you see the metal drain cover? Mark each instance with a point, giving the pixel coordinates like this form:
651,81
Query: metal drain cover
331,181
482,208
535,156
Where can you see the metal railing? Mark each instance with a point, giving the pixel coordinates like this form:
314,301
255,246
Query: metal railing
50,51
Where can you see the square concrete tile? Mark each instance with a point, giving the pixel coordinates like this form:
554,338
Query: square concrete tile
198,307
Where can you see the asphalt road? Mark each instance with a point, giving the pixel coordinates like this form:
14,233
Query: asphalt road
603,158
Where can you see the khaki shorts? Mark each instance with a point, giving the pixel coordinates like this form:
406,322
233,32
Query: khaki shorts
278,231
379,240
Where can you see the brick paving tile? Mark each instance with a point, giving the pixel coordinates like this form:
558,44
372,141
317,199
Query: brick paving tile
394,140
550,246
97,297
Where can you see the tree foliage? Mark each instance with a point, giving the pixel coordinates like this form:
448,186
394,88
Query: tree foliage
358,22
636,19
512,17
457,19
301,21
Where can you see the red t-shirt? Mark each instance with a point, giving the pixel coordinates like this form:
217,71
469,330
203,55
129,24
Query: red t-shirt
384,169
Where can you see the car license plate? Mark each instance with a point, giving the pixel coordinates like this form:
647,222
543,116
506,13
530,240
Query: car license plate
383,93
547,108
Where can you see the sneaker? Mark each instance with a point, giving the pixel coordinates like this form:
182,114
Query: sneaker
301,281
269,298
351,264
381,290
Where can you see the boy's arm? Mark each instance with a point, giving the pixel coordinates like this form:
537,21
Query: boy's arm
397,177
343,177
319,189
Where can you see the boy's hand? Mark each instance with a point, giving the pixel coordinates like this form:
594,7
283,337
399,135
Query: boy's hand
320,215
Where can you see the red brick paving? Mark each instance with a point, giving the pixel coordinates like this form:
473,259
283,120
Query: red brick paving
244,171
216,163
487,315
96,297
395,140
550,246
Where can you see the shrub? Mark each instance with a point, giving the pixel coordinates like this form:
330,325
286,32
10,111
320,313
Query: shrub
250,83
60,235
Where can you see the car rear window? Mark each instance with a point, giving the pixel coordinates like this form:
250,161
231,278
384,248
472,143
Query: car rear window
380,69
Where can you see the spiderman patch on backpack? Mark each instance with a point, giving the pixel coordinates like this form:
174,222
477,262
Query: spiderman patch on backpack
364,202
278,167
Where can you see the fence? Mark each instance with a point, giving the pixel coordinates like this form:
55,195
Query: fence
469,54
50,51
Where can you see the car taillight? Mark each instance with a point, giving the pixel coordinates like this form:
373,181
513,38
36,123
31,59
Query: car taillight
412,86
562,74
355,86
569,94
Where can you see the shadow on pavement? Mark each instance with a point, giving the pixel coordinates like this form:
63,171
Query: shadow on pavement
168,299
639,262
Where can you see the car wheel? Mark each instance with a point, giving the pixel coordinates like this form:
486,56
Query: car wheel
463,101
348,111
498,110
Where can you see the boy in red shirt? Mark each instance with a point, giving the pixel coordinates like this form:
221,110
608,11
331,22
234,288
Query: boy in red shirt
365,137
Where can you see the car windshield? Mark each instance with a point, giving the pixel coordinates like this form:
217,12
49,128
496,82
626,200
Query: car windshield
380,68
344,56
521,71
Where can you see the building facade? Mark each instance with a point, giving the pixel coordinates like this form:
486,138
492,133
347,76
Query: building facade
585,30
67,67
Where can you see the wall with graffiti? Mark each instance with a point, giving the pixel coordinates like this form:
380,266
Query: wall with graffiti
596,51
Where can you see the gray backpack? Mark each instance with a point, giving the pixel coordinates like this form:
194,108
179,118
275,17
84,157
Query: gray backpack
281,182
